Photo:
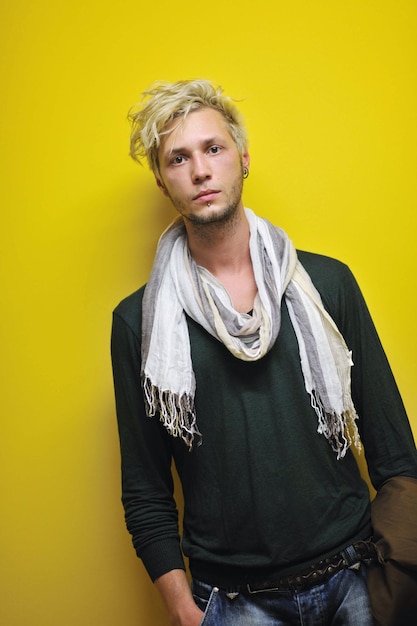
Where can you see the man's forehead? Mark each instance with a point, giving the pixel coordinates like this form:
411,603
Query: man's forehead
202,125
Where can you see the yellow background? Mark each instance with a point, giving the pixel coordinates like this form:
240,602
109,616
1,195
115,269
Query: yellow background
329,93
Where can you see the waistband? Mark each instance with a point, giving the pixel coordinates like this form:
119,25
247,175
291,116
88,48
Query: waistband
317,573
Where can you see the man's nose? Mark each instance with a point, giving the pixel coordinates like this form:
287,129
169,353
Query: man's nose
201,170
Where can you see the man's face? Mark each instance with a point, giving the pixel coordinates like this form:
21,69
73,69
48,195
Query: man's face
201,168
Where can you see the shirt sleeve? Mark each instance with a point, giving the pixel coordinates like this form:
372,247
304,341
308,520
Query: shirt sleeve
147,485
383,423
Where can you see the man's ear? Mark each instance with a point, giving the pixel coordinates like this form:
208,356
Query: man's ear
245,159
161,186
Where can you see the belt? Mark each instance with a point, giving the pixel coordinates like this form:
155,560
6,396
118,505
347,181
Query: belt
317,573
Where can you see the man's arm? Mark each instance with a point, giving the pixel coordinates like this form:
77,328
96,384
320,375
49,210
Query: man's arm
383,423
147,484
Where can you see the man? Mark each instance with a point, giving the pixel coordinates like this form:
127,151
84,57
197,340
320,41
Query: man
235,361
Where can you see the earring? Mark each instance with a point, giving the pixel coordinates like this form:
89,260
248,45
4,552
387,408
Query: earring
245,172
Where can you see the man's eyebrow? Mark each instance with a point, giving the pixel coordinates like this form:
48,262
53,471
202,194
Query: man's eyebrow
172,151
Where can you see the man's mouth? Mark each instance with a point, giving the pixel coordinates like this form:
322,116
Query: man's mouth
207,195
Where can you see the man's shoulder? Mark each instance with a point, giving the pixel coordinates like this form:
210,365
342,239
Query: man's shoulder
323,269
327,273
130,308
314,260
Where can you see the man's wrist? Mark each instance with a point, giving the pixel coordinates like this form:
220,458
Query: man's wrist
176,592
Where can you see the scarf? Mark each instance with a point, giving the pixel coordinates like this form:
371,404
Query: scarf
178,286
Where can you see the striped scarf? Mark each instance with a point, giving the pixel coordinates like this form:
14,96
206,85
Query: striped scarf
178,286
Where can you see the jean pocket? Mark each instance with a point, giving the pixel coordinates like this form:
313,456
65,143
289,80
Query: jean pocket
205,597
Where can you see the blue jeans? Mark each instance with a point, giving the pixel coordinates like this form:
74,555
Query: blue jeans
340,601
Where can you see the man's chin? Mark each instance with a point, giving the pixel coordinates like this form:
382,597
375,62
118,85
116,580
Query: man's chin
212,215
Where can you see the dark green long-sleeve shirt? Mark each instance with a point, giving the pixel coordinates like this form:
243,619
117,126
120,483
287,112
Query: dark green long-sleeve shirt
264,493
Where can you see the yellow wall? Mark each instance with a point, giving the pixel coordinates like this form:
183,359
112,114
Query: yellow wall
330,99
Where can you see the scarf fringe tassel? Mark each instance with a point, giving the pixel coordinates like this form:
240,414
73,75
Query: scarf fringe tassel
177,413
340,430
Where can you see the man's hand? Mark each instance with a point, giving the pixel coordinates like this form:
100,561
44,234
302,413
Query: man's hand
194,617
176,592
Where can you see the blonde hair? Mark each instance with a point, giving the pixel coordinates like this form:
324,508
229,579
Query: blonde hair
163,102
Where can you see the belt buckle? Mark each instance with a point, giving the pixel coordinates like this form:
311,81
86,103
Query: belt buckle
263,589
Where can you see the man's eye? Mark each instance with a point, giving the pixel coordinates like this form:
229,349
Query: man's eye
214,149
177,160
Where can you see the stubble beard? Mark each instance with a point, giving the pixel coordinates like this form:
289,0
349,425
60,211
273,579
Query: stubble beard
206,224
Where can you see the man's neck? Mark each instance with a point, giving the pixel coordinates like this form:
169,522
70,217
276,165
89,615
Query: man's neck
221,246
223,249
